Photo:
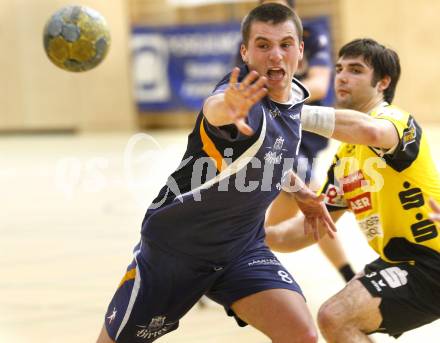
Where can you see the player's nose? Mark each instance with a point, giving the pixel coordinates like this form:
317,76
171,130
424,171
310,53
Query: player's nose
276,54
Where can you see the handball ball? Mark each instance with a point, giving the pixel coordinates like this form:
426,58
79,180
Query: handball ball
76,38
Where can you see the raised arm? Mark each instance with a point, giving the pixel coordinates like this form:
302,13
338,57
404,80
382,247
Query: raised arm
233,105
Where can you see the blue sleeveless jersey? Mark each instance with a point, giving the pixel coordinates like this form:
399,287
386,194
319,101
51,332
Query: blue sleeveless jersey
213,206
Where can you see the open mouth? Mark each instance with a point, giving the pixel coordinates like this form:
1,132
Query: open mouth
275,74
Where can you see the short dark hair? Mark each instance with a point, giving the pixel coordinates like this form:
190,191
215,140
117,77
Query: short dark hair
290,3
384,61
272,13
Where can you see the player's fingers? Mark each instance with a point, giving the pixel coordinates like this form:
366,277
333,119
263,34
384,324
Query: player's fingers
316,229
330,230
248,80
435,207
306,226
435,217
233,79
258,95
330,223
257,85
243,127
309,226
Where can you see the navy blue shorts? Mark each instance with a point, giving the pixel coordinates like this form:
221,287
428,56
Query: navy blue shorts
160,288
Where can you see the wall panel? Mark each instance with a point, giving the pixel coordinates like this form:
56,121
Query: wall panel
412,29
36,95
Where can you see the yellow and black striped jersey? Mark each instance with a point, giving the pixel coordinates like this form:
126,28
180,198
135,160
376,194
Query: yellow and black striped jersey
388,191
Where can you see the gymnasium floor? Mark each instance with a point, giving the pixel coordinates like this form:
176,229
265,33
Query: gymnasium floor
72,207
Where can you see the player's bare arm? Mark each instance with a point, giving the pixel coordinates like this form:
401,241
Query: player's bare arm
232,106
317,82
359,128
350,126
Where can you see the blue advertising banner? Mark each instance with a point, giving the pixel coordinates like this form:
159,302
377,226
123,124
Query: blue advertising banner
177,67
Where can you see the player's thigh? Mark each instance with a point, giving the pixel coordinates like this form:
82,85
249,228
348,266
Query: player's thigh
281,314
353,305
258,290
104,337
156,291
409,294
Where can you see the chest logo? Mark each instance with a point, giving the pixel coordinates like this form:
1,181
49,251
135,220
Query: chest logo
360,203
275,155
334,196
294,116
274,112
352,182
371,227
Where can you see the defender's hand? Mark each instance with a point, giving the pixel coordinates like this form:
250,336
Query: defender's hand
436,210
315,213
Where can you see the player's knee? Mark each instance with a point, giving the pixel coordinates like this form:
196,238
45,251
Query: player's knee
295,334
329,319
309,336
104,337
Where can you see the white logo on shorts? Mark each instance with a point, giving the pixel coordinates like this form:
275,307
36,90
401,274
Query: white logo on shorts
265,261
379,285
155,329
394,276
112,316
370,275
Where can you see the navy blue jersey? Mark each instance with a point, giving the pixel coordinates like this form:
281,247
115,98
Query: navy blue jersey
213,206
317,52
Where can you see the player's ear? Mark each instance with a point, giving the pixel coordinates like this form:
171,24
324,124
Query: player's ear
384,83
243,52
301,50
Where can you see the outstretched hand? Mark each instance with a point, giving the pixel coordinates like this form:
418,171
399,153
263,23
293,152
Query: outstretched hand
240,97
315,213
435,215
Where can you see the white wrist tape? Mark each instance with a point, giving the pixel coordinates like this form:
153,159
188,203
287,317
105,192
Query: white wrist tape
286,183
318,119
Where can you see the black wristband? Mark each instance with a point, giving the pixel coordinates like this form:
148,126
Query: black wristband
347,272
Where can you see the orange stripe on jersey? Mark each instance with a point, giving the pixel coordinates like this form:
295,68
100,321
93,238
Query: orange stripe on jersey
130,275
210,149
